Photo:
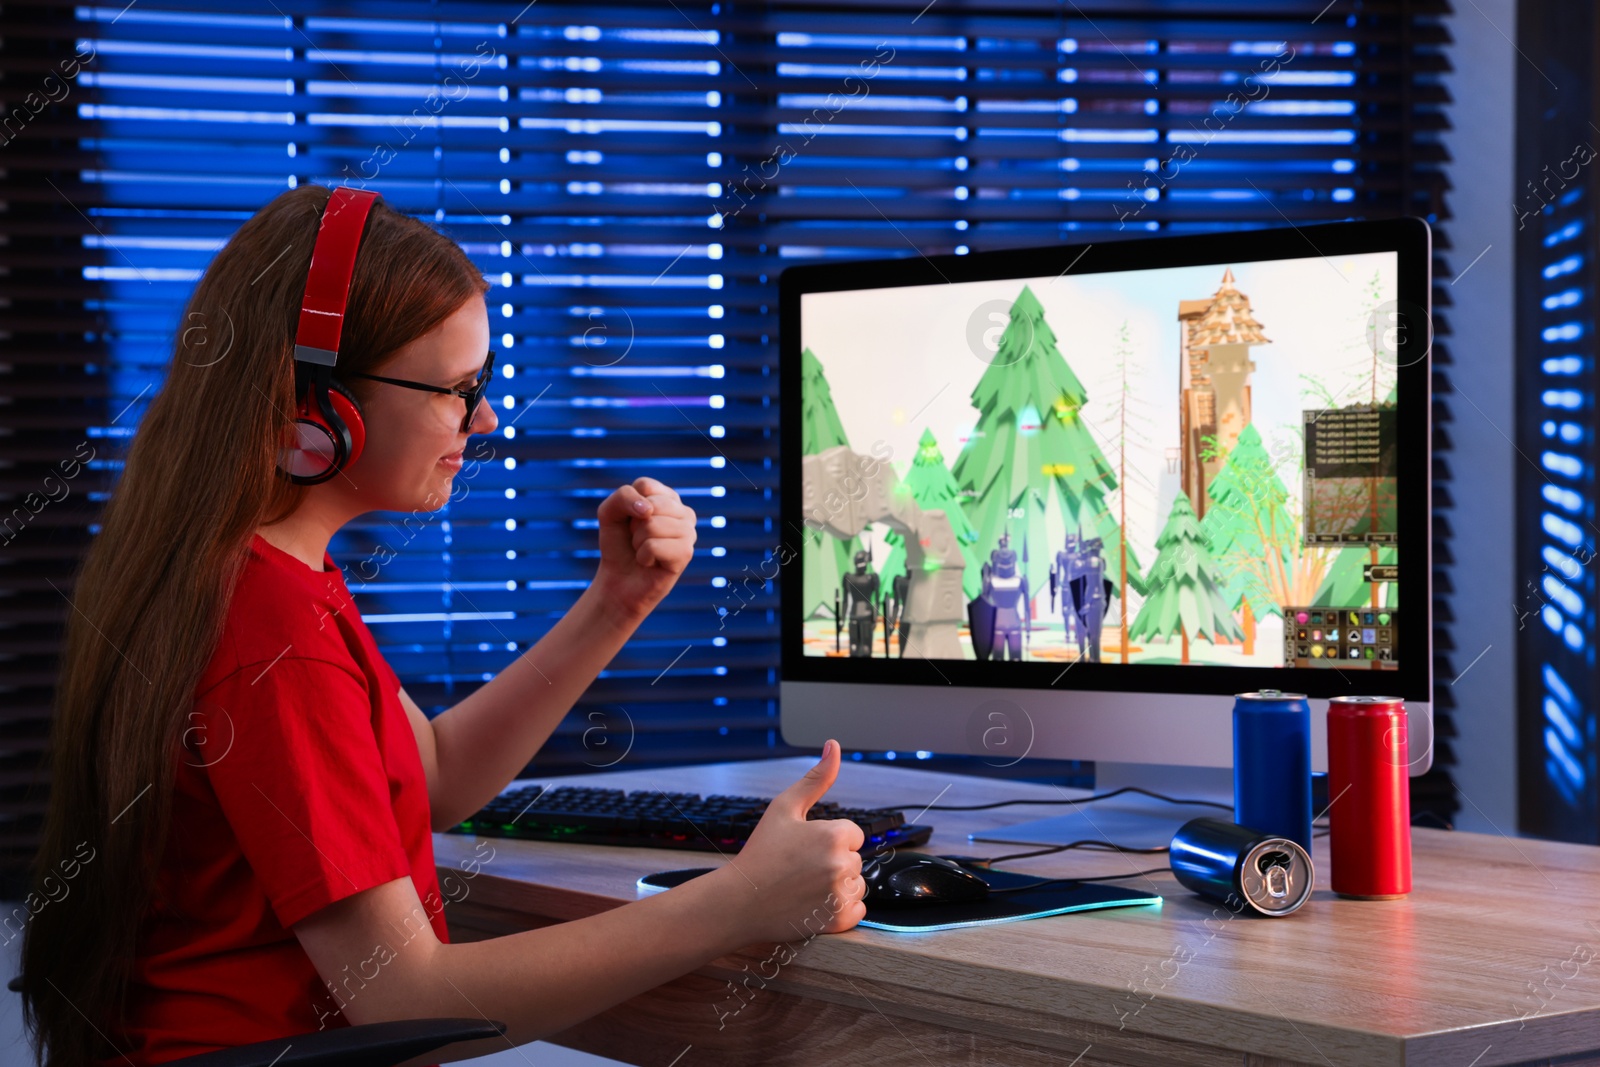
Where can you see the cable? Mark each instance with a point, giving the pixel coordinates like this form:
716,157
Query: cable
1080,800
1105,846
1444,823
1100,846
1076,881
988,863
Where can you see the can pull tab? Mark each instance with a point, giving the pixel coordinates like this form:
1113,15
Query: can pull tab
1274,867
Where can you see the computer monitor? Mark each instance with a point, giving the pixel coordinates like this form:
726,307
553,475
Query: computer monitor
1065,502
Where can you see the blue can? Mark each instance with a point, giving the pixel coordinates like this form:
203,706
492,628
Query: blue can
1242,867
1272,764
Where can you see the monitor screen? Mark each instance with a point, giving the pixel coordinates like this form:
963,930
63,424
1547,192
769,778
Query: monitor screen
1199,456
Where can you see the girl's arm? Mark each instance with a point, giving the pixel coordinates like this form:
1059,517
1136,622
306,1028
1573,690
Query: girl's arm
646,540
482,742
796,878
538,982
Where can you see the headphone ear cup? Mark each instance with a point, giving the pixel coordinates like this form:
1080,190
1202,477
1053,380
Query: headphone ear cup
312,454
348,408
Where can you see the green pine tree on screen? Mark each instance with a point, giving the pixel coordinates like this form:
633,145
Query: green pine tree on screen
1248,528
1031,450
1183,595
931,486
825,559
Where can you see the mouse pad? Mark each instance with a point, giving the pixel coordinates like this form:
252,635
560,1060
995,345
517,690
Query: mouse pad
1055,899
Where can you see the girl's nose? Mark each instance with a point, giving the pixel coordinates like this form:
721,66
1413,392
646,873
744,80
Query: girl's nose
484,420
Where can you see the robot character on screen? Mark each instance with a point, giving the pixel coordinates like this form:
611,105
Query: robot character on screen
894,612
1058,579
998,617
1080,574
861,604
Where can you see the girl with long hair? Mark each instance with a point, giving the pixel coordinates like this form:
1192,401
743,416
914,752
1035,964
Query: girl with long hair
241,789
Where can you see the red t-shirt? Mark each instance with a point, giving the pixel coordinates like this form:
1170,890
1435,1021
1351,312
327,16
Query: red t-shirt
299,784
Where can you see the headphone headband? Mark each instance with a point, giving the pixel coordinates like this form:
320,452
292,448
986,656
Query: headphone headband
328,431
333,262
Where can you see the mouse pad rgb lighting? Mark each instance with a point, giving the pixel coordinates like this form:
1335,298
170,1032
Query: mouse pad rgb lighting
1057,899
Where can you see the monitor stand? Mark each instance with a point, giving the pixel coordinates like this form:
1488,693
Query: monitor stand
1132,819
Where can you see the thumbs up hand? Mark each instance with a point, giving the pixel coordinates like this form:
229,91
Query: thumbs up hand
797,877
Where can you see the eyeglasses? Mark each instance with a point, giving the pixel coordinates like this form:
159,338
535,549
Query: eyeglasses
471,396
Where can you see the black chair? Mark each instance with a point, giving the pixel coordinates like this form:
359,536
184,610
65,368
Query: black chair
367,1045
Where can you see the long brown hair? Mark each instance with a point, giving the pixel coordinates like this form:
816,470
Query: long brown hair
152,593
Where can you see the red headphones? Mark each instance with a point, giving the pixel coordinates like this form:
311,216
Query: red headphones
328,431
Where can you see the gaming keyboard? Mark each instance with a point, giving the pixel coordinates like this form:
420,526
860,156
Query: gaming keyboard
648,818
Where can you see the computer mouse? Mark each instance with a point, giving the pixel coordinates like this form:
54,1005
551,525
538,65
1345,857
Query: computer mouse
912,878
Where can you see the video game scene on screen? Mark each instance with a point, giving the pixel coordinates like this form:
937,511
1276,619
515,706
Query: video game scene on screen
1188,465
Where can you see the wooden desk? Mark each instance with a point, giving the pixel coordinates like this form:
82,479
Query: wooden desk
1494,958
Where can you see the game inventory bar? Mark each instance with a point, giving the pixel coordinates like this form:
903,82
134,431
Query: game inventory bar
1336,637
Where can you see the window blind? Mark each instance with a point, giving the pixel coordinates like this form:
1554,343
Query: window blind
1555,212
631,179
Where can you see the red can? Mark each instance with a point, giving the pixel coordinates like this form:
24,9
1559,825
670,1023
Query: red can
1369,797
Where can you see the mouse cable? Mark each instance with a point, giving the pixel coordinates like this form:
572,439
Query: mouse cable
1443,822
1080,800
1098,846
1077,881
987,863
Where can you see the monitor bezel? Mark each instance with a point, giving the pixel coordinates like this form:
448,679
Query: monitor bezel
1408,237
